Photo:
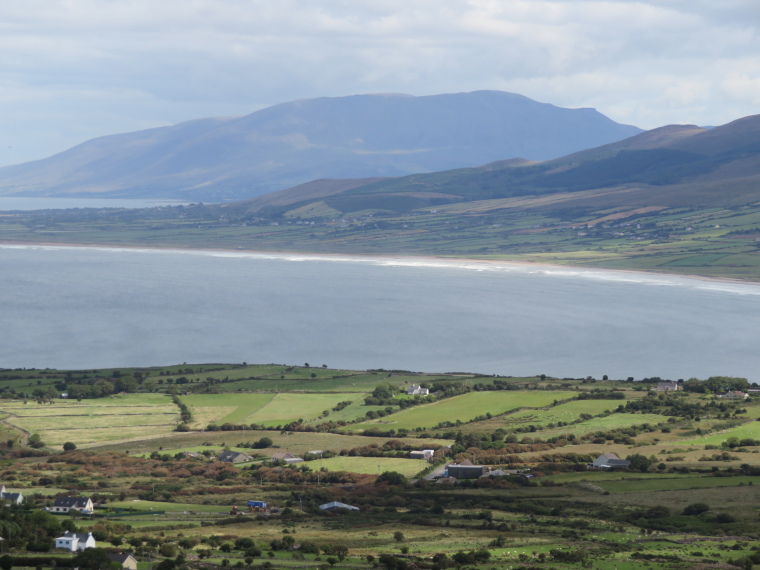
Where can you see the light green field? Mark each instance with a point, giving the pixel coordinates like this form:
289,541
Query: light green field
613,421
262,409
168,507
91,422
223,408
749,430
567,412
369,465
464,408
673,484
286,408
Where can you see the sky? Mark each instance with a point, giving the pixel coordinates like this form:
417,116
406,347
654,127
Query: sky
72,70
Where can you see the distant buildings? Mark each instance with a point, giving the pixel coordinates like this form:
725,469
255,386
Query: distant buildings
422,454
610,460
464,470
337,505
234,457
668,386
10,498
417,390
734,395
73,541
66,504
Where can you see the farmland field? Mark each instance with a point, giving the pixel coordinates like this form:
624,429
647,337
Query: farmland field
464,408
262,409
370,465
749,430
672,484
93,422
613,421
567,412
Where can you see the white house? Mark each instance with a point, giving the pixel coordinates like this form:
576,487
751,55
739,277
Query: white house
73,541
422,454
417,390
735,395
668,386
65,504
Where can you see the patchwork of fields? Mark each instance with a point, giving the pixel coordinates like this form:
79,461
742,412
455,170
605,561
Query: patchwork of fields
269,410
94,422
464,408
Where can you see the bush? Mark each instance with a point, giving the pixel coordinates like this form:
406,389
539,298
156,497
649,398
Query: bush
69,446
696,509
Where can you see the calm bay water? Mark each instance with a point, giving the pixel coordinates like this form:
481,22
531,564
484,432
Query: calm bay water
22,204
99,307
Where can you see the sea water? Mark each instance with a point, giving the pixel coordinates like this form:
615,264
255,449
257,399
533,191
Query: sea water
81,307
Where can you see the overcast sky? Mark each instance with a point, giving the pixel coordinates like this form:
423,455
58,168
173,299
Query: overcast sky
72,70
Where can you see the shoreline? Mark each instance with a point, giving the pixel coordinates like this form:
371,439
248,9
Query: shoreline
399,257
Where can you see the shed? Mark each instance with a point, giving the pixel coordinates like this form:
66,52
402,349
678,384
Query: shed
464,471
337,505
125,559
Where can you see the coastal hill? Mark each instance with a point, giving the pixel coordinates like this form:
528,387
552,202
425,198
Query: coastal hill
361,136
676,165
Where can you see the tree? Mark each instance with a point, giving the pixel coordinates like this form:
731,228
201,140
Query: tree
696,509
398,536
639,462
69,446
95,559
264,442
391,477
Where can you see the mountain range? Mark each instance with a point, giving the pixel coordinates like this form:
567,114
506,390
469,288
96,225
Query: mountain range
672,166
361,136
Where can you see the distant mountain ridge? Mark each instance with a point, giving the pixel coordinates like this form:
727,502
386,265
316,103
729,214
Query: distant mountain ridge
672,166
361,136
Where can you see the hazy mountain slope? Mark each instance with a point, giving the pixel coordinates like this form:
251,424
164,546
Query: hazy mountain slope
292,143
664,157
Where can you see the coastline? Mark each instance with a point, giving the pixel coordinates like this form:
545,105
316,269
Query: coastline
389,257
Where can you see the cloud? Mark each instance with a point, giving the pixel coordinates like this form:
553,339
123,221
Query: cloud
74,69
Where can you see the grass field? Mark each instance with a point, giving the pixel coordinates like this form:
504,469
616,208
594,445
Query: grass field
613,421
297,443
567,412
370,465
749,430
463,408
93,422
673,484
262,409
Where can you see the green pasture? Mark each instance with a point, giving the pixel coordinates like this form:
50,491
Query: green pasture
140,505
286,408
368,465
674,484
91,422
219,409
611,422
262,409
567,412
749,430
463,408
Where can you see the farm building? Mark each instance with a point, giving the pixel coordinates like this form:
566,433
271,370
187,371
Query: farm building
10,498
286,457
463,471
126,560
667,386
336,505
422,454
735,395
257,505
609,460
65,504
228,456
417,390
73,541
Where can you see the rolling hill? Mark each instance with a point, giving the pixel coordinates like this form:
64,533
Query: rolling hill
361,136
676,165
